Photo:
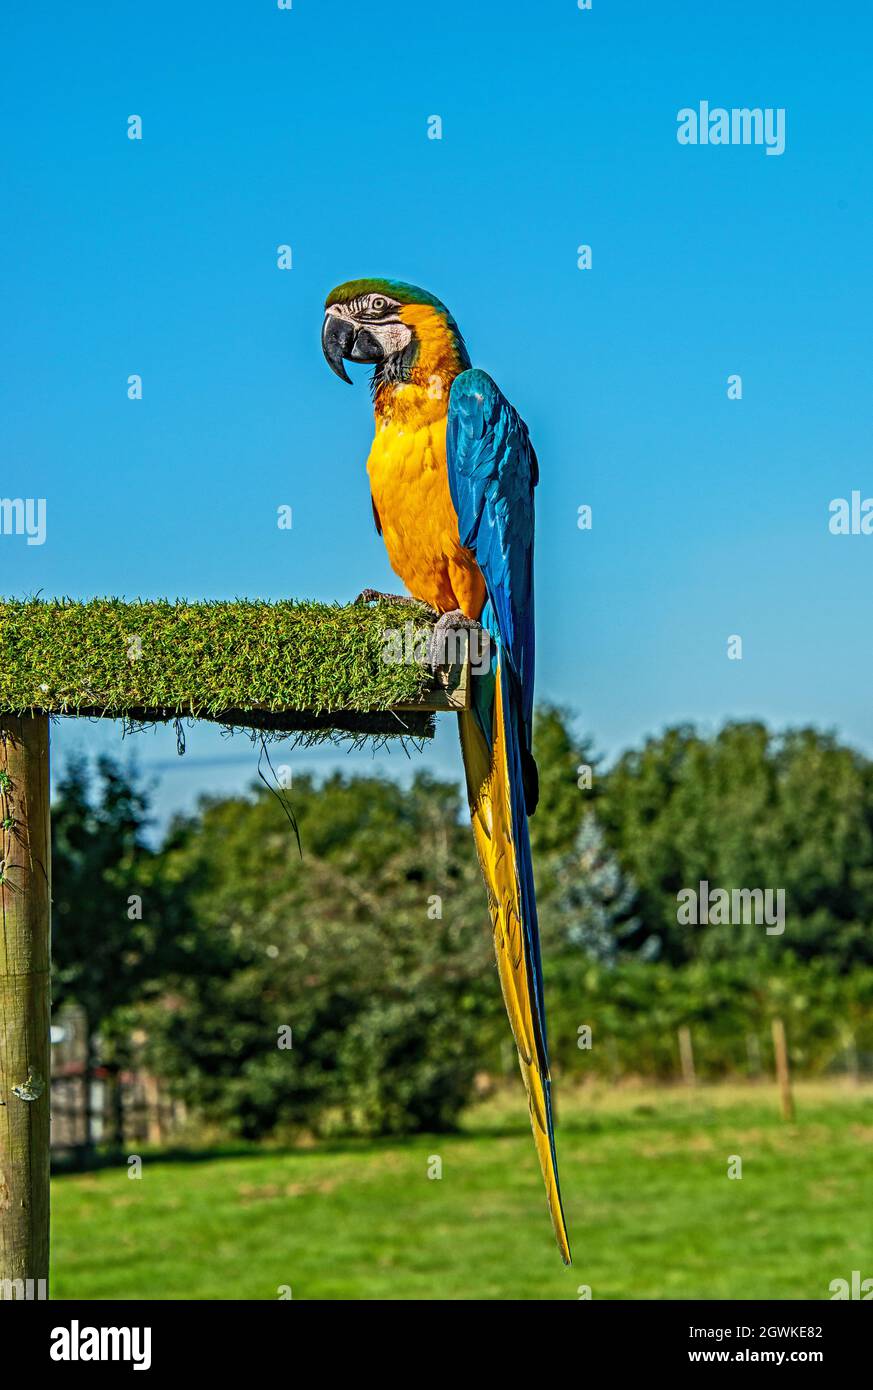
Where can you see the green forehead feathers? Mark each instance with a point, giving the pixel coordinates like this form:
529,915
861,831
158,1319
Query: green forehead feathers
394,289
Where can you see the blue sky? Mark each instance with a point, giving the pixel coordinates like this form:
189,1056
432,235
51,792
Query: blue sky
309,127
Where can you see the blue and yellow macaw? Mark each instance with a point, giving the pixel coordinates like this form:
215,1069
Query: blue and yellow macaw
452,473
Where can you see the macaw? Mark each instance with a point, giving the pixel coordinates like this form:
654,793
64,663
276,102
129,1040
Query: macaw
452,474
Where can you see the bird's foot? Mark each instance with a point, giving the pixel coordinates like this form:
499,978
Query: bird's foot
376,596
446,647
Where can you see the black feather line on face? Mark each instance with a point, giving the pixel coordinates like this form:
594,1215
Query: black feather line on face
397,368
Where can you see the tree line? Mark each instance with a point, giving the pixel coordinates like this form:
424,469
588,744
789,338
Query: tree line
351,988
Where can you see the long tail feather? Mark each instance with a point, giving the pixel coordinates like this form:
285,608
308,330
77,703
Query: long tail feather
492,762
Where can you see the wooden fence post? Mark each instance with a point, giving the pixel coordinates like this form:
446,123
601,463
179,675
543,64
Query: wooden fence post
783,1074
686,1056
154,1117
25,1000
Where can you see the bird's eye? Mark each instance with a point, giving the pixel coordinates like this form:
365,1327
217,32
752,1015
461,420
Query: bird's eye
378,304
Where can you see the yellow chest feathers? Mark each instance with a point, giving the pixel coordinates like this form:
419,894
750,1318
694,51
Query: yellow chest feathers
409,483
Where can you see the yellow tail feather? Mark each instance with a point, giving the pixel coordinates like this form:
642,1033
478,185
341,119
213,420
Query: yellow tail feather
491,813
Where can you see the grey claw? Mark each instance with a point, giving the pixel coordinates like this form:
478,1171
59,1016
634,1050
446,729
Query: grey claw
445,650
376,596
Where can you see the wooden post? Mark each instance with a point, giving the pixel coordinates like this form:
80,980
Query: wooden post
25,1089
686,1056
780,1049
152,1095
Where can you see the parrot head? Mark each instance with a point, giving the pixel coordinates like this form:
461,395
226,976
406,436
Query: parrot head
402,331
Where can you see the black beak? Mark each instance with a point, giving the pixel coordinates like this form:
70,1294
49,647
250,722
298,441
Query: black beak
337,342
341,340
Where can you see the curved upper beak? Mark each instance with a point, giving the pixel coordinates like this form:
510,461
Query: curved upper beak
341,340
337,342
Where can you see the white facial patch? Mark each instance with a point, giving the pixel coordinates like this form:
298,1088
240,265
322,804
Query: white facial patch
394,336
381,317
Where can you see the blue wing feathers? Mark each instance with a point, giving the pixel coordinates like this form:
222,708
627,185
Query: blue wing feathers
492,471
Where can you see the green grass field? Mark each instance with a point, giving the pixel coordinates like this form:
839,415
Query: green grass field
652,1213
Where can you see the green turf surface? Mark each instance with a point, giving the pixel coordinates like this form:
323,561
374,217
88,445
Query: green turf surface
121,659
651,1211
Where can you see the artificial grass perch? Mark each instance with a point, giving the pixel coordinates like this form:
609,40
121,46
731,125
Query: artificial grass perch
310,668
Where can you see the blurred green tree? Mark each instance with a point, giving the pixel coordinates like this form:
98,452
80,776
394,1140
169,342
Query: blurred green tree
345,989
569,787
592,907
745,809
115,930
